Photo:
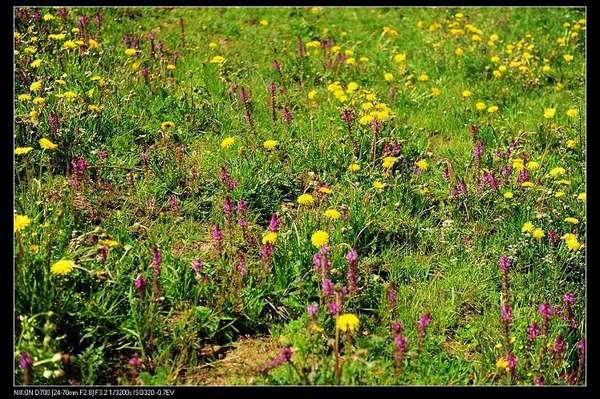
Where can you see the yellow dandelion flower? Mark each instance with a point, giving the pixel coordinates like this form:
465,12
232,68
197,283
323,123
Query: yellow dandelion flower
422,164
423,77
24,97
508,195
558,171
388,162
36,63
527,227
400,58
270,144
217,59
347,322
467,93
537,233
582,197
20,222
312,94
69,45
22,150
306,199
212,45
459,51
388,77
559,194
527,184
568,57
130,52
227,142
518,164
492,109
325,190
63,267
533,165
319,238
435,91
269,238
263,22
572,113
92,44
549,113
572,143
47,144
332,214
354,167
36,86
571,220
39,100
502,363
108,243
480,106
378,185
170,67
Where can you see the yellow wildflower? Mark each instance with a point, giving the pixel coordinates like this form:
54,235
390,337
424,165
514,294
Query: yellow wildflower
549,113
480,106
20,222
508,195
306,199
378,185
167,125
47,144
217,59
354,167
572,220
22,150
227,142
269,238
319,238
537,233
36,86
332,214
572,113
347,322
422,164
63,267
527,227
388,162
130,52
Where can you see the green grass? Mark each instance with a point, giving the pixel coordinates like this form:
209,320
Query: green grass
440,253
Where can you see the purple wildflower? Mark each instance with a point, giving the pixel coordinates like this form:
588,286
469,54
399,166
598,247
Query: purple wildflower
197,267
228,208
478,151
559,345
321,261
284,356
217,236
569,299
538,380
512,361
274,223
504,262
533,331
424,321
327,287
140,283
553,237
135,361
506,313
287,116
352,258
546,311
241,266
312,310
25,360
174,203
53,122
392,296
333,308
397,327
523,176
267,252
227,180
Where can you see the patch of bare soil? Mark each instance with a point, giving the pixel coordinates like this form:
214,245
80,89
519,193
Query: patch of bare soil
239,366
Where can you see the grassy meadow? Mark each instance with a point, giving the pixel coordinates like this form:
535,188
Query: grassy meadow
305,196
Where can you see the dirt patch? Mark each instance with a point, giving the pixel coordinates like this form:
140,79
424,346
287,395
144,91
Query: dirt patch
239,366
